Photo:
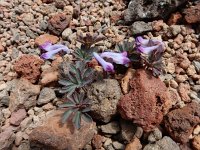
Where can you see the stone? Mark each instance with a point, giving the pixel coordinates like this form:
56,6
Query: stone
58,23
135,106
26,122
140,27
139,132
1,48
104,96
7,137
184,90
185,64
17,117
47,1
125,81
4,98
166,143
28,67
197,130
192,14
197,65
174,96
110,128
118,146
134,145
23,94
155,135
196,142
171,68
128,130
174,18
175,29
19,138
6,112
140,10
49,77
46,95
54,135
180,122
46,38
97,141
66,33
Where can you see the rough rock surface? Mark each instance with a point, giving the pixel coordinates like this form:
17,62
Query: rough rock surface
46,95
196,142
134,145
147,101
23,94
17,117
192,14
28,67
104,96
141,9
58,23
181,122
6,139
47,1
166,143
140,27
46,38
55,136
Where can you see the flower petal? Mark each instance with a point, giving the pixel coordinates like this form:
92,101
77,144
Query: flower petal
147,50
50,54
140,41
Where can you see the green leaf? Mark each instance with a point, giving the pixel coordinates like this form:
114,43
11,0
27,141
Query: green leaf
66,115
86,117
69,103
87,109
77,120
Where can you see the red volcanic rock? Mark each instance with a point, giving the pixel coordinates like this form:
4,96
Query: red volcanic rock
181,122
28,67
58,23
97,141
192,14
147,101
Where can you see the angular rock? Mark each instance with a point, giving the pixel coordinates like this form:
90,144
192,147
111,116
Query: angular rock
97,141
1,48
6,139
58,23
140,27
49,77
111,128
23,94
166,143
147,101
134,145
141,10
55,136
17,117
181,122
118,146
28,67
155,135
184,90
46,38
46,95
196,142
104,95
175,18
192,14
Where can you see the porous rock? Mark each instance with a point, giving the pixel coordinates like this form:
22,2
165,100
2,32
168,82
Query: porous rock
57,136
28,67
147,101
192,14
181,122
46,38
104,96
196,142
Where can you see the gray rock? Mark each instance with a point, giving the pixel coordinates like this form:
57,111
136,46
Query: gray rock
111,128
197,65
140,27
43,25
166,143
6,139
4,98
30,34
196,88
128,130
46,95
140,9
155,135
66,33
104,95
118,146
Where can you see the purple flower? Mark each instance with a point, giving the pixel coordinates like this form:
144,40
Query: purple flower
106,65
52,49
118,58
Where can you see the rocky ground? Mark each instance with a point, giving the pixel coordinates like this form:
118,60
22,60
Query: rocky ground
29,90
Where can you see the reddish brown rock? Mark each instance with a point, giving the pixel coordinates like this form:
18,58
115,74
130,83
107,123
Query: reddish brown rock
174,18
28,67
192,14
147,101
97,141
47,1
196,142
17,117
53,135
181,122
46,38
134,145
58,23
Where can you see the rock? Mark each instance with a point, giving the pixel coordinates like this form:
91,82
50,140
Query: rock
97,141
174,18
104,96
125,81
57,137
47,1
18,138
23,94
58,23
69,10
197,130
192,14
140,27
128,130
118,146
46,38
46,95
141,10
4,98
174,96
181,122
26,122
134,145
158,25
191,70
185,64
155,135
110,128
175,29
27,18
197,66
48,107
135,105
66,33
7,137
1,48
196,142
49,77
28,67
166,143
139,132
184,90
17,117
171,68
6,112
